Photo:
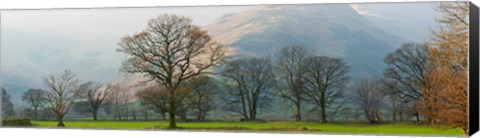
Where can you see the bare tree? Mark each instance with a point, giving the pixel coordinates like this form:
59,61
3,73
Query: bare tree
7,105
182,110
145,109
202,91
290,66
406,72
398,107
170,51
407,66
46,113
34,97
119,98
368,92
62,91
155,96
325,80
92,92
252,80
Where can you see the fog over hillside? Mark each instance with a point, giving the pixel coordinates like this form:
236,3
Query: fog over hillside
335,30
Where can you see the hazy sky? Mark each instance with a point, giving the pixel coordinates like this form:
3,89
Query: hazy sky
39,42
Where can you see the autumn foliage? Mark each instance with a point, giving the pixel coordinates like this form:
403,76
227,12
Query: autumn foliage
444,98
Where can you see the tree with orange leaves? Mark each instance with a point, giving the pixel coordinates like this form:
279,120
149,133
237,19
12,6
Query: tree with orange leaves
445,96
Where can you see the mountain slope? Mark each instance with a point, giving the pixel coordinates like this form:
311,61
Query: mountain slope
334,30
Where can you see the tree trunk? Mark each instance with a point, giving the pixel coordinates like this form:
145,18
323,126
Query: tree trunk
400,116
203,116
417,116
35,113
199,116
146,117
171,117
379,116
322,106
253,115
199,113
322,113
245,114
172,109
184,116
133,115
163,116
94,114
298,115
394,117
60,121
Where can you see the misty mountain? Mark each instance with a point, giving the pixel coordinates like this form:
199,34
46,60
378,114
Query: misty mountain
410,21
335,30
24,63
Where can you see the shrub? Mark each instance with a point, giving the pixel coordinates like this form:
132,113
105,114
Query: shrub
14,121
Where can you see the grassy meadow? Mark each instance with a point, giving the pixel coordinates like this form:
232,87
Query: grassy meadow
276,127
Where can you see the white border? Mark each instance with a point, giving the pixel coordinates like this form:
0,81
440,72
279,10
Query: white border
35,4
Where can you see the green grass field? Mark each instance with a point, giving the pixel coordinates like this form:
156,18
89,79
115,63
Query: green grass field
288,127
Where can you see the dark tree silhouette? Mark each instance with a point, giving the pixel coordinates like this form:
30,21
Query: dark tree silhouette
91,91
7,105
368,92
406,72
291,71
252,80
325,79
407,67
34,97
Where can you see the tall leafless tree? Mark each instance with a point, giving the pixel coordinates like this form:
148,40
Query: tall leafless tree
94,95
368,92
170,50
407,67
252,80
61,93
325,80
34,97
406,72
290,66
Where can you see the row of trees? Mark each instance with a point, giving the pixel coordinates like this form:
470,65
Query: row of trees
171,52
296,74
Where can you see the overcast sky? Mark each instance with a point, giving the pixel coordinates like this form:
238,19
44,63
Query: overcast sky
40,42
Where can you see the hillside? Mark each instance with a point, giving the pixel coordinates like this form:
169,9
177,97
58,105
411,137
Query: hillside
335,30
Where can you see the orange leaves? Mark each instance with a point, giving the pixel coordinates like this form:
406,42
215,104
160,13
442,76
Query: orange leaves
445,94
